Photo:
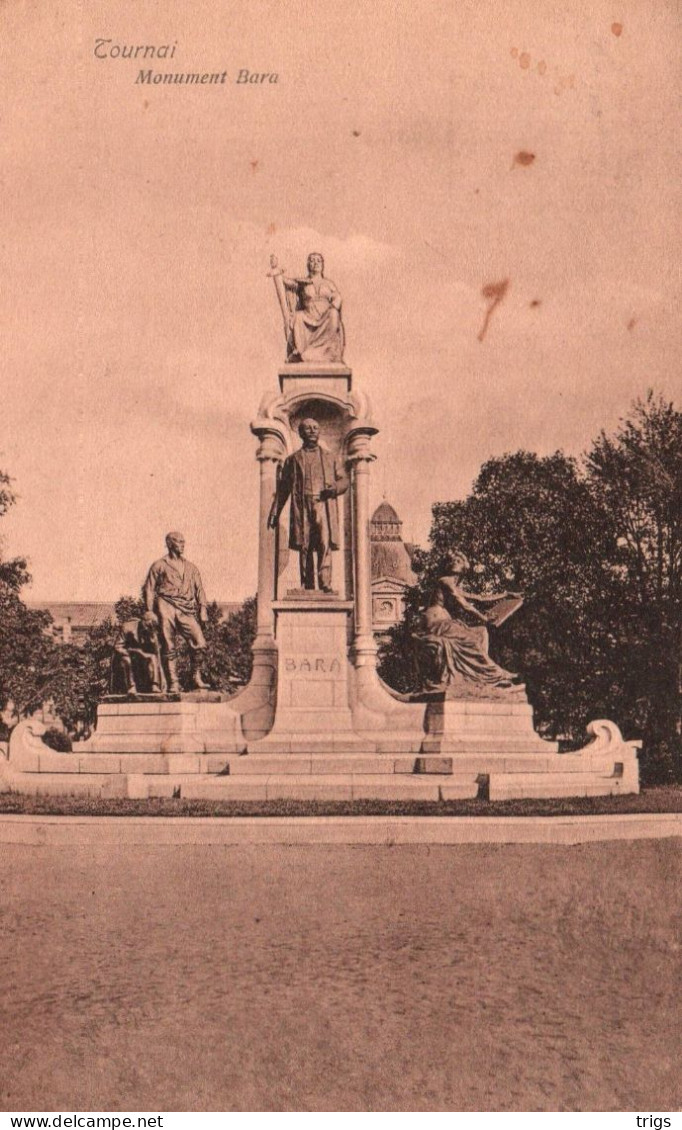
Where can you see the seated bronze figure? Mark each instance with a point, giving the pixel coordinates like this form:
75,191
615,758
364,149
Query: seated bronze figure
454,642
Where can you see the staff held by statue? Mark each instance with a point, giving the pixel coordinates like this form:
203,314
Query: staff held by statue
276,275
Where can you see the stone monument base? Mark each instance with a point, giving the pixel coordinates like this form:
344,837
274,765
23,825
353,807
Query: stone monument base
195,750
195,722
313,679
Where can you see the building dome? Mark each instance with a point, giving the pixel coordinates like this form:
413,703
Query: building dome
390,556
385,525
385,513
392,571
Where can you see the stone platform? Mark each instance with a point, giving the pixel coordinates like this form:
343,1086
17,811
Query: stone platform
479,764
197,722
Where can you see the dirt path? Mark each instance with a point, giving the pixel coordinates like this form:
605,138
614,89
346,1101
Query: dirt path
342,978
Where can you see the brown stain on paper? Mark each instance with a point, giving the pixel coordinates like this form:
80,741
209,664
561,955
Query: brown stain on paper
525,62
523,158
494,292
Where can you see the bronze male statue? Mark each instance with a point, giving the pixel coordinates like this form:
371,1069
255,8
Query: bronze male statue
311,479
173,590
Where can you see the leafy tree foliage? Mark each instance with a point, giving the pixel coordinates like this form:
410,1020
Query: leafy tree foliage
128,608
25,645
229,655
636,476
25,653
80,677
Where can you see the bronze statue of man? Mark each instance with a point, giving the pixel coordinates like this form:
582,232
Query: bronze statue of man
173,590
311,479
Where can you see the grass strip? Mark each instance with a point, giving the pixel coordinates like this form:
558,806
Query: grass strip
655,800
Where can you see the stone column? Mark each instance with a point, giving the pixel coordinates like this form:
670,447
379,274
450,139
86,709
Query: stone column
271,452
358,461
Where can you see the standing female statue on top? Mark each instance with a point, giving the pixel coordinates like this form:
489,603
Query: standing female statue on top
454,642
311,308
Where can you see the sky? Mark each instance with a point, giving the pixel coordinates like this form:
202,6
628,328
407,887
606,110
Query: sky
141,331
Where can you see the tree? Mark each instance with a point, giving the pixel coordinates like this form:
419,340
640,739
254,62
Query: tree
25,652
25,644
228,655
636,476
129,608
76,677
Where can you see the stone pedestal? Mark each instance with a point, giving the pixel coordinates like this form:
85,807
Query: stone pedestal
313,711
199,722
474,726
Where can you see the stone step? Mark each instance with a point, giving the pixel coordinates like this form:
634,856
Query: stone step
362,786
257,763
512,786
111,763
330,763
473,763
73,784
488,743
327,744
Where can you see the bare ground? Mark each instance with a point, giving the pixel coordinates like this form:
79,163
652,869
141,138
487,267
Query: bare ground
341,978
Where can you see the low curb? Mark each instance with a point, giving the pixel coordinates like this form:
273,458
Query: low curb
176,831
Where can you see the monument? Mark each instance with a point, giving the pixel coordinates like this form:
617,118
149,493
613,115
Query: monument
315,720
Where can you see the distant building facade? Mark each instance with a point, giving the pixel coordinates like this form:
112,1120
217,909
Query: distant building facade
392,572
71,622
